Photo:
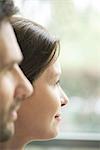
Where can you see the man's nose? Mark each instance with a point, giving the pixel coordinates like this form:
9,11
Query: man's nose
24,88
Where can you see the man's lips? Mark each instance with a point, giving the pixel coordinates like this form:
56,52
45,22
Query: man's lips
13,111
14,115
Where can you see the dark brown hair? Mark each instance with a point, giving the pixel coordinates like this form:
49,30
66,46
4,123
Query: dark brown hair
7,9
37,45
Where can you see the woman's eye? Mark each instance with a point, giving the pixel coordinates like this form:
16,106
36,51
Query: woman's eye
57,83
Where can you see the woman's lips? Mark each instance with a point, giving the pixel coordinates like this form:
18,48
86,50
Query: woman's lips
58,117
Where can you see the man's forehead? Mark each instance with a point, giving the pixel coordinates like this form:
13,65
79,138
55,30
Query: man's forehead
9,49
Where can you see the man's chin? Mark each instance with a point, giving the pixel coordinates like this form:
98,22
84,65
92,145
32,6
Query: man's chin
6,132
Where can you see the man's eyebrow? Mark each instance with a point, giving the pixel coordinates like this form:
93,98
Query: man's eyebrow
4,65
18,61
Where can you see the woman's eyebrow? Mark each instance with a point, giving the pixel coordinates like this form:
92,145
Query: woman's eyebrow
52,75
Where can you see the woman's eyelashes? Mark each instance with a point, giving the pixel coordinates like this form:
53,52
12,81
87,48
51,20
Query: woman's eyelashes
57,82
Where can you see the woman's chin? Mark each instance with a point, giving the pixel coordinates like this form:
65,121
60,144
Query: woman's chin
46,137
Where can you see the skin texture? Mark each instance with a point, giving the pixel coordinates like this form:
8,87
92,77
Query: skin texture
14,87
41,109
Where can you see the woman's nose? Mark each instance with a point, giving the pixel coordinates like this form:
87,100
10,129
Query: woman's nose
64,98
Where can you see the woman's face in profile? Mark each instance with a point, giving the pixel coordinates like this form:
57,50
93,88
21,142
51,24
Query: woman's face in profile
41,114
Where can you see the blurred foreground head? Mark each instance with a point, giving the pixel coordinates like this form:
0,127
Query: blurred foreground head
14,86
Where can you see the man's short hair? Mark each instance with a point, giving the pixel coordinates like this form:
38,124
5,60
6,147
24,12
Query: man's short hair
7,9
